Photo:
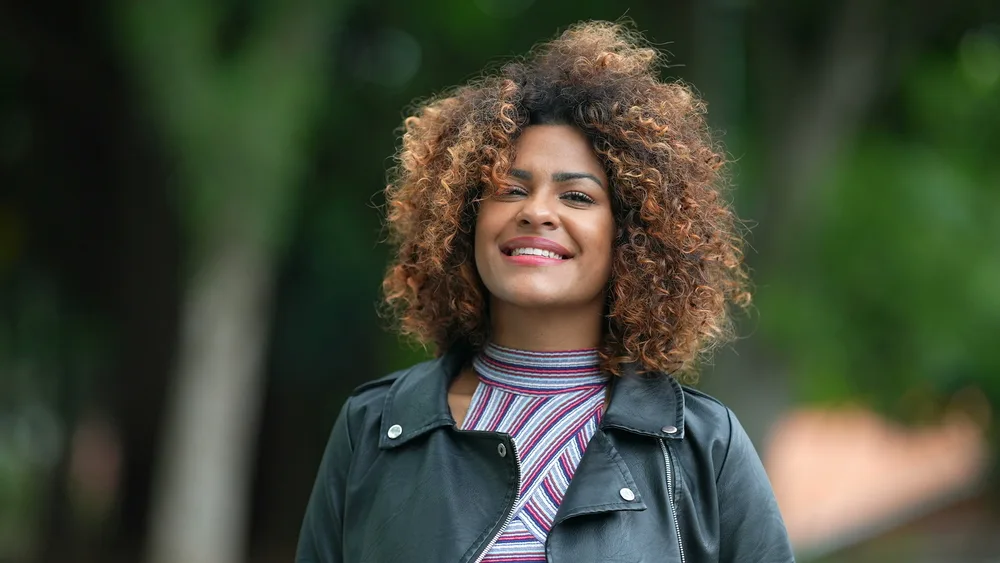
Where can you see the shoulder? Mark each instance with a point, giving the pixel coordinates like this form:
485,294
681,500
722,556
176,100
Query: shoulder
712,427
372,394
706,411
368,400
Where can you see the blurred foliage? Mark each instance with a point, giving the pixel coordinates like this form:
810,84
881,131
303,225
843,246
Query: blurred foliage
233,90
893,296
890,294
39,336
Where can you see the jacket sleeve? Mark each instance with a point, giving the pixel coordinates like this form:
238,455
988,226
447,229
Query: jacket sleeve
751,527
321,537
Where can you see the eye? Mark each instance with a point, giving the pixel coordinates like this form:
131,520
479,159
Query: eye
578,197
510,191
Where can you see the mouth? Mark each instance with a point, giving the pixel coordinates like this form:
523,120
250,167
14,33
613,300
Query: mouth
535,252
535,248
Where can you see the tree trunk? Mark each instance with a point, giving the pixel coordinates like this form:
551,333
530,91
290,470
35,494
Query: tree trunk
200,501
236,122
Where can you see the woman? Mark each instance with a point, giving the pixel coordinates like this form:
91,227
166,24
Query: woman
562,242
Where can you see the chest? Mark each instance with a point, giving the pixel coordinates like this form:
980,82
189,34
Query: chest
448,496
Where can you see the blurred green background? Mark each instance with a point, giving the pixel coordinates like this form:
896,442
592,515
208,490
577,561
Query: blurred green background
190,200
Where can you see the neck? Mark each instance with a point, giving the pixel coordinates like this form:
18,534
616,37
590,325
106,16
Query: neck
544,329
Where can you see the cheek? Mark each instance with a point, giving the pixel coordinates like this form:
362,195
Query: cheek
488,226
480,231
489,221
604,239
602,236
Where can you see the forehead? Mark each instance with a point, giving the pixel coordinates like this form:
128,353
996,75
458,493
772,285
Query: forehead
556,148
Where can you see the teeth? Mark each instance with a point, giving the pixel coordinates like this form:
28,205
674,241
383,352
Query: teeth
535,252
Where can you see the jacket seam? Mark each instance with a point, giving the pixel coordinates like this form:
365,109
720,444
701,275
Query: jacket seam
347,426
600,507
432,424
729,447
350,442
375,383
618,463
329,484
632,429
678,400
701,394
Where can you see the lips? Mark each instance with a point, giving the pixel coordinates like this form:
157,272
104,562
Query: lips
535,242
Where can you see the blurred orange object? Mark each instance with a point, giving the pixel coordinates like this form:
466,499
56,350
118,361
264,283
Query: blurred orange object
844,476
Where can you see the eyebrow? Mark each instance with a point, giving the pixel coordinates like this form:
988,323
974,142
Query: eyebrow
557,176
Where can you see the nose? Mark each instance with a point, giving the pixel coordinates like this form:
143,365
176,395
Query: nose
537,212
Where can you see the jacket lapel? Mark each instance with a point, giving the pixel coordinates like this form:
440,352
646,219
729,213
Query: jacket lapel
650,404
418,401
599,483
644,404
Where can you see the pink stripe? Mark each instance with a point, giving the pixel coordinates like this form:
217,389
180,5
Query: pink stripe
537,391
480,408
521,421
545,354
567,470
498,412
554,494
542,430
535,370
557,440
545,460
536,516
514,536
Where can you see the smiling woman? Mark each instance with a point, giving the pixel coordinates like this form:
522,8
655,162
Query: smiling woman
543,242
561,240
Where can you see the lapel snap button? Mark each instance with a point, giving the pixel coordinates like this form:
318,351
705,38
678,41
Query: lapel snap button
394,431
627,494
669,429
502,450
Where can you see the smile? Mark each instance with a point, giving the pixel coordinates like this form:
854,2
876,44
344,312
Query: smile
531,251
528,251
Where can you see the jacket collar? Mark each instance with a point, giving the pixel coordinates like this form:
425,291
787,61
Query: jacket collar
650,404
417,402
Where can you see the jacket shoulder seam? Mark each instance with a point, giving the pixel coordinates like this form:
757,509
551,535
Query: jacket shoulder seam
380,382
703,395
389,379
729,446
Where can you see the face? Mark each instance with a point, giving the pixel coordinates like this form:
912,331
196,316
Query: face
544,239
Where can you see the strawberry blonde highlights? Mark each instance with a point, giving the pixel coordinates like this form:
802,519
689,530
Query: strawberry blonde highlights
677,260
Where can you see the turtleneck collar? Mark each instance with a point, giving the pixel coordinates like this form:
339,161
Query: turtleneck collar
539,373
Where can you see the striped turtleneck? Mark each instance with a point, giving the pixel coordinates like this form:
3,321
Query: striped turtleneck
551,404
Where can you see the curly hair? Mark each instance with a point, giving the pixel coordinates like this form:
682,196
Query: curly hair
678,261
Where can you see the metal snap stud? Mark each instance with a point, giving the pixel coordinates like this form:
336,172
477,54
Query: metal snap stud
394,431
669,429
627,494
502,450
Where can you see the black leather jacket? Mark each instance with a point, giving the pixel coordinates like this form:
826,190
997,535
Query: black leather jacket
670,476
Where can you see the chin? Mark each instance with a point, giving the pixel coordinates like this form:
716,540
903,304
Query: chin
534,298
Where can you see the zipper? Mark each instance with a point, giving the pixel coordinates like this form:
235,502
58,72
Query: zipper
670,496
510,513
